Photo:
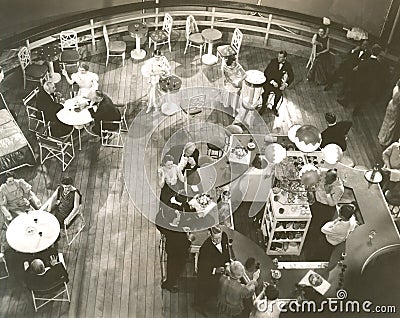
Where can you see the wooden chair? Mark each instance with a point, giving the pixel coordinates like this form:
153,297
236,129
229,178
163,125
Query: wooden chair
224,51
163,36
114,48
193,36
31,72
57,289
3,267
35,116
111,133
61,149
69,48
72,220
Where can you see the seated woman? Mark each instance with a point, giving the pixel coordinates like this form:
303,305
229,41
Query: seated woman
87,81
267,304
170,179
65,200
234,74
16,197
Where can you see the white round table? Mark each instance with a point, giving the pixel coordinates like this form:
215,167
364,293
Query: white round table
77,119
33,232
210,36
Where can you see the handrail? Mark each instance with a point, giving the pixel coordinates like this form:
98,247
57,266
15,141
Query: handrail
277,22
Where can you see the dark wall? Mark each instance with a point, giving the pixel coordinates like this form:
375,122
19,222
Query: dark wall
18,15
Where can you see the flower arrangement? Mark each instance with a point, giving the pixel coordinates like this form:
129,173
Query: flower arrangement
203,199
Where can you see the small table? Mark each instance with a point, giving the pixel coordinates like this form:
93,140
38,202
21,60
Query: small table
210,36
170,84
33,232
138,30
78,119
50,53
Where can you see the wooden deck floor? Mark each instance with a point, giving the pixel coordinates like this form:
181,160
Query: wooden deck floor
114,264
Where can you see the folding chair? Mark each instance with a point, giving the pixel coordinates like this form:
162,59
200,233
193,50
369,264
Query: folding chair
163,256
111,134
159,37
55,291
195,106
311,60
70,221
31,72
124,126
114,48
35,116
3,267
69,48
227,50
193,36
61,149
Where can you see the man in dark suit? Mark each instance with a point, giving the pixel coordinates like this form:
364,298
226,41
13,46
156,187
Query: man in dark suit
214,253
106,111
336,132
46,101
349,65
279,74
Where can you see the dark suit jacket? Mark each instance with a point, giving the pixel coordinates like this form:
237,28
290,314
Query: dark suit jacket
272,72
336,134
353,59
195,156
56,274
210,258
50,107
106,111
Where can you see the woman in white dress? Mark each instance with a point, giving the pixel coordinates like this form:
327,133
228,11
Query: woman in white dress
86,80
155,68
234,75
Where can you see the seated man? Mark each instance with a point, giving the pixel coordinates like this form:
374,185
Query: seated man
336,133
106,111
87,81
46,101
39,277
17,197
189,160
279,74
65,200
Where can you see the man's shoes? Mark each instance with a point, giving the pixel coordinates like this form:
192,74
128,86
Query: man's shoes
172,289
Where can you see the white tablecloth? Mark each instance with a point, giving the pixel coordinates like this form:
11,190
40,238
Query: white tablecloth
70,117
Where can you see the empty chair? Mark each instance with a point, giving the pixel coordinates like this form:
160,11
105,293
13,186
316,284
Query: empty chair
231,49
51,285
3,267
124,126
73,225
69,48
214,148
53,147
114,48
35,116
111,133
193,36
205,160
31,72
159,37
196,104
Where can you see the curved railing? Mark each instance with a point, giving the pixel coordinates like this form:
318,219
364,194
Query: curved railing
268,25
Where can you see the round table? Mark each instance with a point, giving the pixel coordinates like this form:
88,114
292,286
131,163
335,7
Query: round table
170,84
33,232
78,119
210,36
138,30
50,53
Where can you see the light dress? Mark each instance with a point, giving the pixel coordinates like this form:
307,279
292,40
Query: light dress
87,82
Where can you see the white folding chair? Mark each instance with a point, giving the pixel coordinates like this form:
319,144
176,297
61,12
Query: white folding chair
311,60
31,72
69,48
224,51
61,149
111,133
114,48
3,267
56,290
193,36
163,36
71,226
124,123
35,116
